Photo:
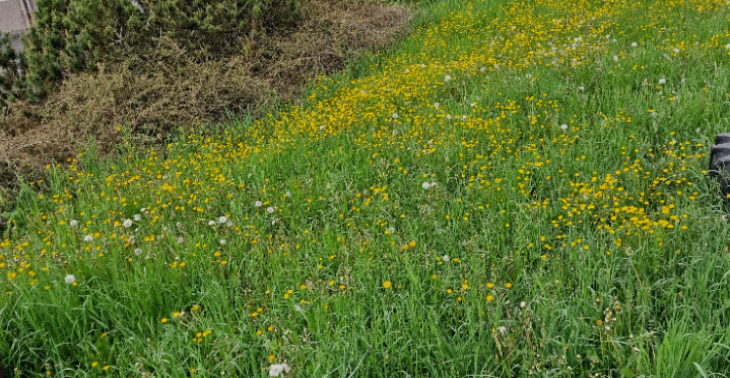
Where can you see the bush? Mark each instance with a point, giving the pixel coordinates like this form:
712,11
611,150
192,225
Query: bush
77,36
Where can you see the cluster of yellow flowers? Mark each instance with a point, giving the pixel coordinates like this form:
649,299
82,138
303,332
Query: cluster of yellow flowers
482,132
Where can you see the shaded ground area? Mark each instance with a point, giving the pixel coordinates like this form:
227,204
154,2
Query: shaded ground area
175,92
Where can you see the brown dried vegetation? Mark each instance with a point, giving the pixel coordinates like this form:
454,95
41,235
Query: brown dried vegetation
173,91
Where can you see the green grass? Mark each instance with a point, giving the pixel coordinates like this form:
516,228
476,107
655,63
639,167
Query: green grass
598,247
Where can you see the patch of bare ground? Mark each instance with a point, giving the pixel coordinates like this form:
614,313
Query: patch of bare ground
155,99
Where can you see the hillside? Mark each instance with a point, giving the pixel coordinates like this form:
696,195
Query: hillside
517,189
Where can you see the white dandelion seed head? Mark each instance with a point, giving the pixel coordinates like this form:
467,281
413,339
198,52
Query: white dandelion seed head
88,238
258,204
447,78
581,88
615,58
634,44
69,279
683,81
463,118
138,251
423,66
502,330
395,115
436,105
727,46
321,128
391,230
448,116
407,70
276,369
222,241
662,81
483,69
564,127
180,240
73,223
446,258
426,185
229,224
269,209
523,304
137,217
222,220
395,132
211,223
288,194
127,223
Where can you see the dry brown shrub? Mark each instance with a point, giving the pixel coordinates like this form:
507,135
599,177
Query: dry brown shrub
174,91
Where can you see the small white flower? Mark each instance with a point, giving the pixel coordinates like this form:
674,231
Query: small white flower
222,220
127,223
269,209
180,240
615,58
73,223
211,223
727,46
321,128
276,369
288,194
88,238
395,116
138,252
426,185
463,118
564,127
423,66
137,217
483,69
634,44
222,241
407,70
436,105
446,258
258,204
447,78
662,81
448,116
523,304
581,88
69,279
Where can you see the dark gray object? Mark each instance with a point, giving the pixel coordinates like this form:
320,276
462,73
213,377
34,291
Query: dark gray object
720,162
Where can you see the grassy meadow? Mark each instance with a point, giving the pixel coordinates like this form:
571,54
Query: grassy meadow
517,189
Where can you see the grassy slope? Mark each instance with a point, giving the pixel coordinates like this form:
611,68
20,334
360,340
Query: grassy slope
597,247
